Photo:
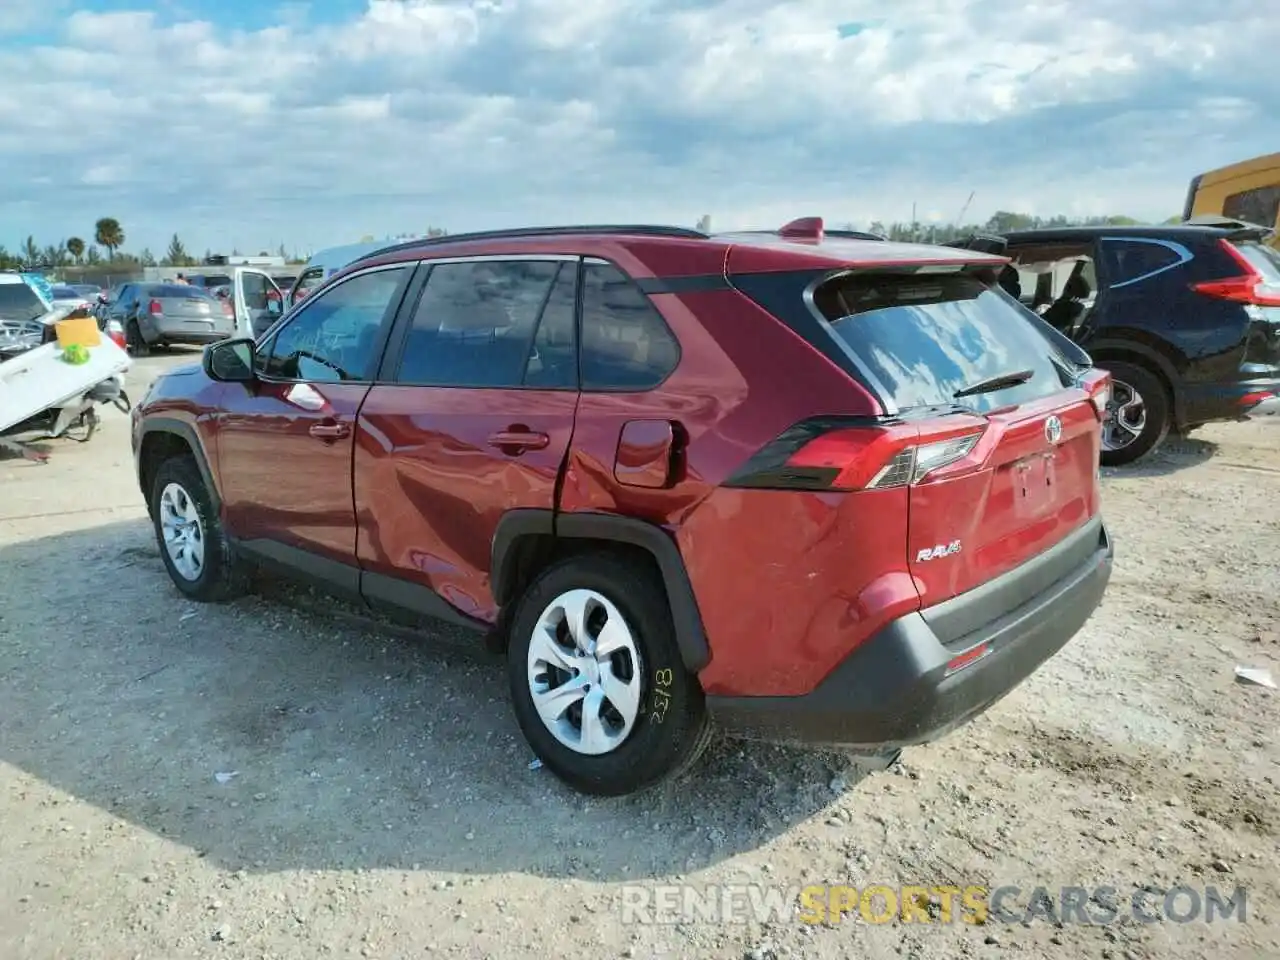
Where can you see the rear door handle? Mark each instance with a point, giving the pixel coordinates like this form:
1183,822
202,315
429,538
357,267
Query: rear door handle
519,440
330,431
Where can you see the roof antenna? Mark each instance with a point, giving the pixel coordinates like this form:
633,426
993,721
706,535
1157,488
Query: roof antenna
809,229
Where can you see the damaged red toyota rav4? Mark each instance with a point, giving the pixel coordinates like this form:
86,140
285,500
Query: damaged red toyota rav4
798,486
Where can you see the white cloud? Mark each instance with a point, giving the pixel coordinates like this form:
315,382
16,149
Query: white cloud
493,112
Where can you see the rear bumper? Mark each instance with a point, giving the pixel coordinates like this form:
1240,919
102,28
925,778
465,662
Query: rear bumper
895,690
187,336
1230,401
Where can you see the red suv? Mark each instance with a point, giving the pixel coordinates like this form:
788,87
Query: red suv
814,488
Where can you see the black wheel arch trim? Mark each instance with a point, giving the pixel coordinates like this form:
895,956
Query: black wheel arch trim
187,432
515,524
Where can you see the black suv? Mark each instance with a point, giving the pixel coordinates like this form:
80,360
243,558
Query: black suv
1186,318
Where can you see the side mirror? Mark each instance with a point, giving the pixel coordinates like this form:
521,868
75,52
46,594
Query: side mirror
230,361
274,306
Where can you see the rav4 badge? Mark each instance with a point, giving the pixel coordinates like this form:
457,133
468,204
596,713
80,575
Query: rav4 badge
939,550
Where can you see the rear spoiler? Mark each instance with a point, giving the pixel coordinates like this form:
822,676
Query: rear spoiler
1236,229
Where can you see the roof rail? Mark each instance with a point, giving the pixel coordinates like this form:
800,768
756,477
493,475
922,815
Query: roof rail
520,233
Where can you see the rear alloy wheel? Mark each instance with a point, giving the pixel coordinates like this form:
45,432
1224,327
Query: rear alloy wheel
597,682
1137,419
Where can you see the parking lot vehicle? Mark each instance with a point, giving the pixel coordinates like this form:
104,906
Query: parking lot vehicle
1185,317
1248,191
323,264
159,314
821,490
42,396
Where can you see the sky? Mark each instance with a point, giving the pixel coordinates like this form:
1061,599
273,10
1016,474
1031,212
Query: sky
246,124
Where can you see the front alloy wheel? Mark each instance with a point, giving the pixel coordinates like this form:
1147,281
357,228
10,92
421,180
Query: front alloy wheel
182,531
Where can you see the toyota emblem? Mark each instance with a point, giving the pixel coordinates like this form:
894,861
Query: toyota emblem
1053,429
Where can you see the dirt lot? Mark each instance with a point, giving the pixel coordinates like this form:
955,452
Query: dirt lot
383,805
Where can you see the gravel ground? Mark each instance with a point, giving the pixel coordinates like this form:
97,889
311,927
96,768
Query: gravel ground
376,799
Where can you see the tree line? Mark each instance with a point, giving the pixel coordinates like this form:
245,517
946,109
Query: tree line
109,236
105,253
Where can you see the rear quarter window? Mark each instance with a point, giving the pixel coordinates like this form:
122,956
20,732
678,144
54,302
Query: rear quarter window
924,338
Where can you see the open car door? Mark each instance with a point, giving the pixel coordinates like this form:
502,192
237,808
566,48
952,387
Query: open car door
258,301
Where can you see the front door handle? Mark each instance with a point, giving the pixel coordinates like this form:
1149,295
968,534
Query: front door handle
519,440
330,431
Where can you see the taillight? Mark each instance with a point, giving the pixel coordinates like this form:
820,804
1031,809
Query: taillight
829,455
1253,399
1250,287
116,334
154,308
1098,385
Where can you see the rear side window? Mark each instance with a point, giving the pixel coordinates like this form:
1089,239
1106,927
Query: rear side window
924,338
1130,261
1260,206
626,345
474,323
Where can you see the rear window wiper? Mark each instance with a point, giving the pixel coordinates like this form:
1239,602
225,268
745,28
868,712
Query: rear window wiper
999,382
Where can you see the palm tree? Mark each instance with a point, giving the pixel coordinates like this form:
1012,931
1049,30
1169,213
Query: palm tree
75,247
109,234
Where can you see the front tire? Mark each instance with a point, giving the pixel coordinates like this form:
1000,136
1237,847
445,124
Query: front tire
1138,414
597,682
193,545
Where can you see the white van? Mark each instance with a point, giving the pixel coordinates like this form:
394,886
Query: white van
326,263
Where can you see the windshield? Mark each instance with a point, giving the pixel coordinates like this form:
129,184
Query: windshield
926,338
19,302
67,293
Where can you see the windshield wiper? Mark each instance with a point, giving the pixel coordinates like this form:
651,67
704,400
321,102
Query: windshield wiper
999,382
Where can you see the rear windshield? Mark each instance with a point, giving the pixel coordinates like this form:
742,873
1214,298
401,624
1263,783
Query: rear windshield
176,291
1263,259
924,338
19,302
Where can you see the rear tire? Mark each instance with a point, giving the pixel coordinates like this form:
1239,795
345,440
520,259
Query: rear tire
189,533
1138,414
134,340
647,721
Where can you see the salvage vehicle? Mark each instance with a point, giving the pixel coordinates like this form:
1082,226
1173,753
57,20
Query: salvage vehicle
1185,317
809,489
161,314
43,394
